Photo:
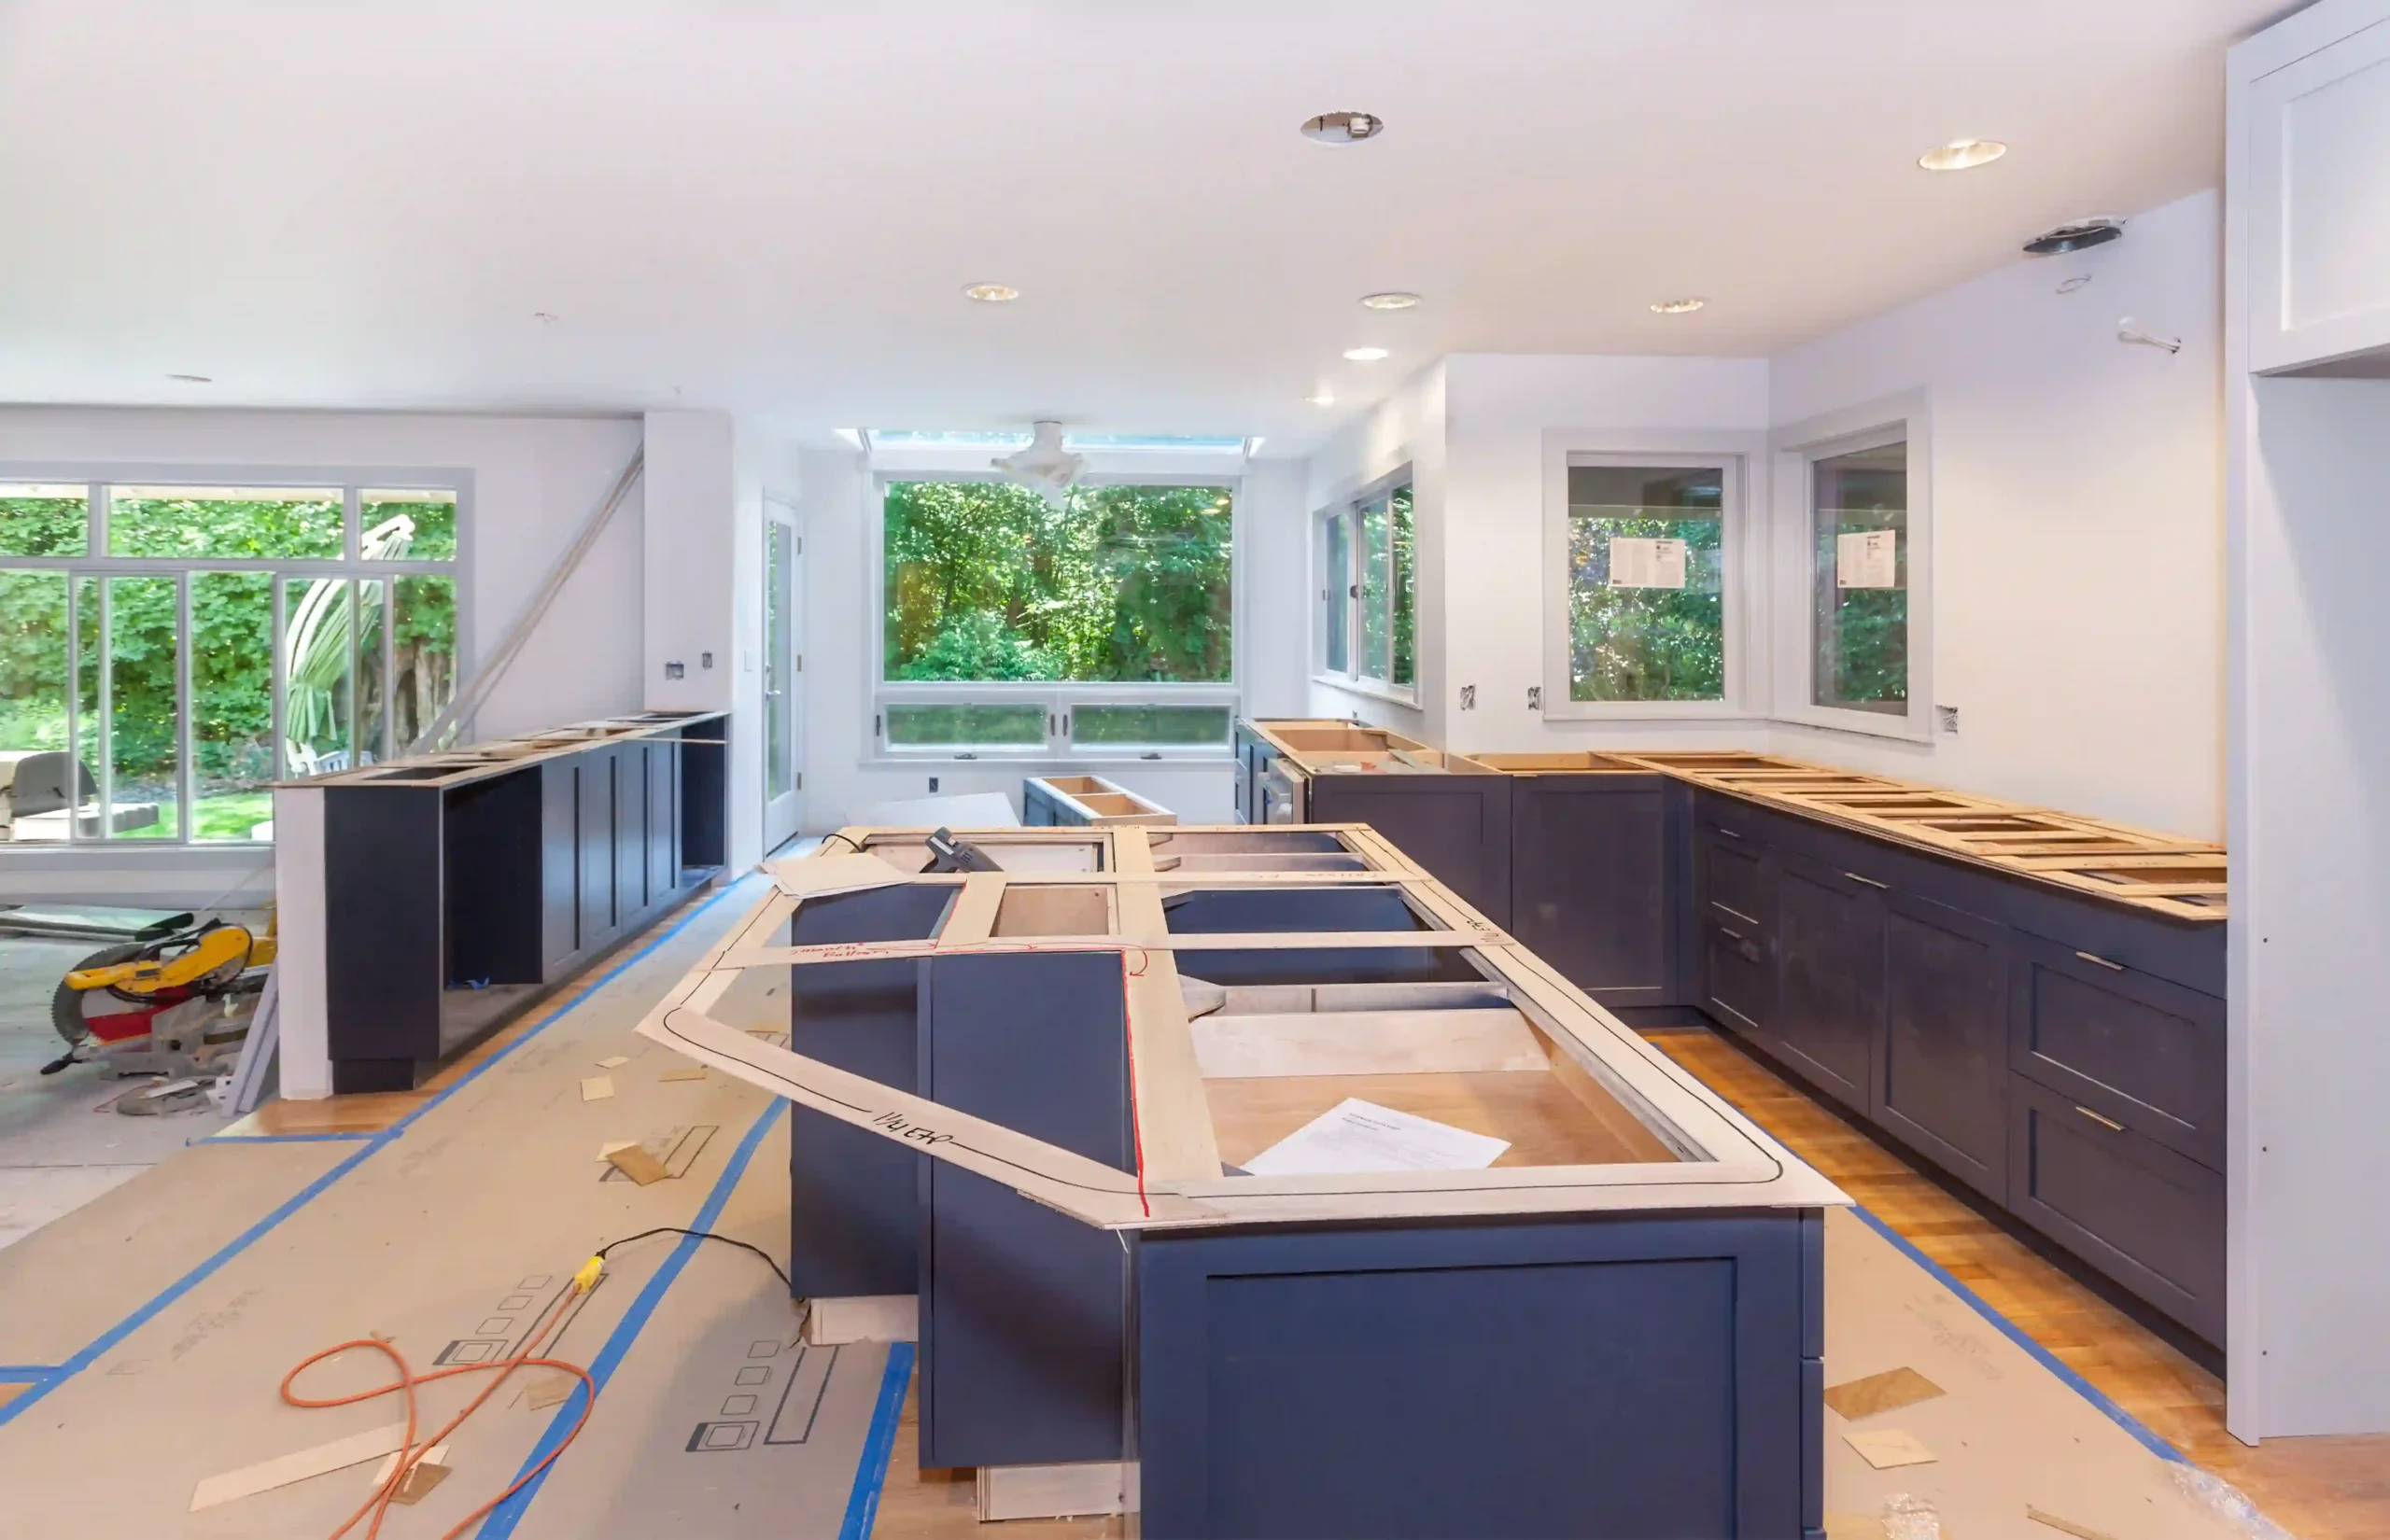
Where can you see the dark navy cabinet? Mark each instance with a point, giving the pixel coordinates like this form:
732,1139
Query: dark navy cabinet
1456,826
1939,1076
1592,882
2142,1051
1829,975
1379,1380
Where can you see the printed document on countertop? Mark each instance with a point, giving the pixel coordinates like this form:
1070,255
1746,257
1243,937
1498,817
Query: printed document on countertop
1357,1137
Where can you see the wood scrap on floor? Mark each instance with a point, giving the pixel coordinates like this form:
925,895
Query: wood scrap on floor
1854,1526
682,1074
596,1088
299,1465
2066,1526
420,1479
614,1061
1875,1394
611,1146
1887,1448
554,1391
633,1161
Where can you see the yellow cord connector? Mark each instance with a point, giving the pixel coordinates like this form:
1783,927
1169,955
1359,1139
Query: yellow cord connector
586,1279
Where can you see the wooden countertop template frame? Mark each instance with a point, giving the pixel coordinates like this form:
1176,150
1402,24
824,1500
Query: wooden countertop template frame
1725,1162
502,756
2162,873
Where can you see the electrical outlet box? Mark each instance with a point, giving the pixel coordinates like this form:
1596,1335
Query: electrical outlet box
1947,719
932,783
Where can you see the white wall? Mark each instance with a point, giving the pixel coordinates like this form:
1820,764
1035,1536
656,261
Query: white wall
2077,523
1498,409
534,480
763,465
1405,428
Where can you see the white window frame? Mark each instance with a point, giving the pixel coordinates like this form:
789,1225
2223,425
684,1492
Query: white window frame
1059,700
1352,677
1795,449
1737,455
353,482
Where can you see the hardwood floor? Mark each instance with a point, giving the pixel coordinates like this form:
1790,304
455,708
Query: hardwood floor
2319,1489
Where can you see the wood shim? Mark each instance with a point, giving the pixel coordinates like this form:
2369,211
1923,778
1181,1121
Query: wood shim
596,1088
633,1161
614,1062
682,1074
2066,1526
281,1471
1888,1448
1889,1391
554,1391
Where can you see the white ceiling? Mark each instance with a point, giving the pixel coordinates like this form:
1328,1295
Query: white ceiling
771,206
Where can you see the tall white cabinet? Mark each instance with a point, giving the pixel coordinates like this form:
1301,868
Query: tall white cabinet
2307,405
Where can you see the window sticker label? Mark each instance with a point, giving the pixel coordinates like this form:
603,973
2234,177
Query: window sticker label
1867,559
1638,562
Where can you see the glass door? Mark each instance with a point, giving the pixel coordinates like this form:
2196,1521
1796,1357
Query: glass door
784,666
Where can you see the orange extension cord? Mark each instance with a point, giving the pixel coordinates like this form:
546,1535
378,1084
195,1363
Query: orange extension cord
411,1452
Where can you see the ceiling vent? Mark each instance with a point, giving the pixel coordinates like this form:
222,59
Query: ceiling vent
1344,128
2077,235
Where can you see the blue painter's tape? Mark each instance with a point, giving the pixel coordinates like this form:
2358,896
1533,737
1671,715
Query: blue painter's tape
280,1138
26,1374
92,1352
2016,1333
871,1474
502,1518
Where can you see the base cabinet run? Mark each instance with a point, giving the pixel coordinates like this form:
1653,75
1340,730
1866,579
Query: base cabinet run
1358,1380
2063,1058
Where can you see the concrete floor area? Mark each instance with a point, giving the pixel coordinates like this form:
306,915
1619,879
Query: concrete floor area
61,1141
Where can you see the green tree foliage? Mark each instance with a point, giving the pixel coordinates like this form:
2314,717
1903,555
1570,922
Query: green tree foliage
1645,644
989,580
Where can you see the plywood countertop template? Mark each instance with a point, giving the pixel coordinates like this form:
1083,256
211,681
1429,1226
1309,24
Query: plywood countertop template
458,766
1600,1121
2162,873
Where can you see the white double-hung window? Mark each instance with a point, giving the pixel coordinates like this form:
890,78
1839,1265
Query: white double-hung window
1094,624
1368,596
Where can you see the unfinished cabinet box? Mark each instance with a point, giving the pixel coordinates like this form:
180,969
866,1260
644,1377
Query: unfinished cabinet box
1594,873
1613,1330
456,890
1940,1076
1047,801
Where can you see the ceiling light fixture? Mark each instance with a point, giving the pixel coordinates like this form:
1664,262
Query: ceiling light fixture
192,379
1393,299
1685,306
1321,397
1344,128
1963,155
991,294
1365,355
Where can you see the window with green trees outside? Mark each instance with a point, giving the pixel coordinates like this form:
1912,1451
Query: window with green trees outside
167,653
1647,576
1122,590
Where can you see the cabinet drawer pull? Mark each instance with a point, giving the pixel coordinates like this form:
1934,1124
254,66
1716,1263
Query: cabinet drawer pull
2108,1122
1722,828
1869,881
1747,920
2094,956
1730,936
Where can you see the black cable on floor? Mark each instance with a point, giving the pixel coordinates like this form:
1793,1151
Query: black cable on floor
851,843
701,1235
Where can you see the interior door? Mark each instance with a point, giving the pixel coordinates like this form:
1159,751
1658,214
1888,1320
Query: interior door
784,666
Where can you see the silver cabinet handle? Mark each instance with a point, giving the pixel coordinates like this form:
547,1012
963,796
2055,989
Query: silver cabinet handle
2108,1122
1723,830
2093,956
1730,936
1869,881
1747,920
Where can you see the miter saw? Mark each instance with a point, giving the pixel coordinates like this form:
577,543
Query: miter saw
177,1005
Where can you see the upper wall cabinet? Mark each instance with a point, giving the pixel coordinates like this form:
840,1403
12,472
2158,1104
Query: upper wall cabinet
2316,194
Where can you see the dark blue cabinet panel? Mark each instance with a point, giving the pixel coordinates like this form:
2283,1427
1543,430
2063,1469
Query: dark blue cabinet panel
1458,827
2143,1214
1596,1377
559,860
2144,1052
1829,975
1023,1312
1943,1060
1736,885
1737,979
630,828
595,802
1591,883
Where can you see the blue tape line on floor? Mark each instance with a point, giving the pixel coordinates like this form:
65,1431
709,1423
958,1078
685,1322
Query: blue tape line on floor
279,1138
502,1518
871,1474
2016,1333
22,1374
373,1142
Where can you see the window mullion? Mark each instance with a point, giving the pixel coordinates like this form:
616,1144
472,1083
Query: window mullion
186,772
102,656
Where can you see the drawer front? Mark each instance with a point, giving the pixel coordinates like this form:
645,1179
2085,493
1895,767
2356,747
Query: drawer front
1735,886
2144,1052
1737,980
2133,1209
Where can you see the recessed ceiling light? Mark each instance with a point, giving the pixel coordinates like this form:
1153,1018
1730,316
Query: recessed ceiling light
991,294
1963,155
192,379
1390,299
1321,397
1344,128
1365,355
1685,306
